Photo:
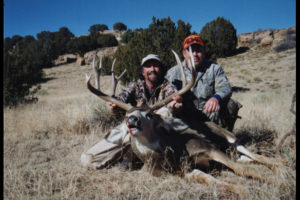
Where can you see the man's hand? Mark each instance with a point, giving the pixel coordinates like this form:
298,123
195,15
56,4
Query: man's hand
212,105
176,103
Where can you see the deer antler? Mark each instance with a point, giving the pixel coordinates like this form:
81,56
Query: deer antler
125,106
97,72
183,78
98,92
115,79
183,89
190,61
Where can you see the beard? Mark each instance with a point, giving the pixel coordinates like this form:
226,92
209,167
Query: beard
153,77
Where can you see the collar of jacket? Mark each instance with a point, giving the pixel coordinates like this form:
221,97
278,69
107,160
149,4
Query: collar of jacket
155,91
199,72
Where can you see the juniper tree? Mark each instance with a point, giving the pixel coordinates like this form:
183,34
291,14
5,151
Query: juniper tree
119,26
160,37
219,37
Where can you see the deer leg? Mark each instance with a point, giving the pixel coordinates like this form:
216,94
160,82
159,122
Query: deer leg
208,179
238,168
244,159
269,162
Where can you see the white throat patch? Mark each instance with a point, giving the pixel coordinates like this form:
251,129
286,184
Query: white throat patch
144,149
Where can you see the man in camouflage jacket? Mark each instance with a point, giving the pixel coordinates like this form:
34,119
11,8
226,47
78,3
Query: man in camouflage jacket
209,98
139,94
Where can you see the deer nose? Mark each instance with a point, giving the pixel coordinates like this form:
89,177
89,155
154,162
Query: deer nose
132,120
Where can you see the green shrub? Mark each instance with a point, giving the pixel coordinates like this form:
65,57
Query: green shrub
274,85
21,73
289,41
285,45
98,27
119,26
127,36
106,65
257,79
80,45
159,38
107,40
219,37
83,44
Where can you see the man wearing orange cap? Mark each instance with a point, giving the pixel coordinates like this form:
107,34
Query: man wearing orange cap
212,91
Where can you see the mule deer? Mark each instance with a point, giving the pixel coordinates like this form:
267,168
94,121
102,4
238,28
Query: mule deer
154,136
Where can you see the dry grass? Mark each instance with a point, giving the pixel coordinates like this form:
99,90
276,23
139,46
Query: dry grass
43,141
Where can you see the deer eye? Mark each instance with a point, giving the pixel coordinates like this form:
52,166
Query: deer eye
149,115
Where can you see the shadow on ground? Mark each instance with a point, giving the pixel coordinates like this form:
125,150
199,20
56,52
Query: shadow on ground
239,89
240,50
44,80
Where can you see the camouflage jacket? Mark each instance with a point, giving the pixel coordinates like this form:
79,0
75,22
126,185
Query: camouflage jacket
137,94
210,80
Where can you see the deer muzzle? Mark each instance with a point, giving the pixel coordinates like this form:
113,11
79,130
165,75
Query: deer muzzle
134,125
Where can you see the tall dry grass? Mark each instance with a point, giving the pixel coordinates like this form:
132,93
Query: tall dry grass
43,142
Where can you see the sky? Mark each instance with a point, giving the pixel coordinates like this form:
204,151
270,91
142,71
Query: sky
29,17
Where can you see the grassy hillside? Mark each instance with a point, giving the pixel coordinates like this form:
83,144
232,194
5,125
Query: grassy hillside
43,141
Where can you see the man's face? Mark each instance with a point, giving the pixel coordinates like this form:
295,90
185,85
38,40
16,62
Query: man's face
198,54
151,71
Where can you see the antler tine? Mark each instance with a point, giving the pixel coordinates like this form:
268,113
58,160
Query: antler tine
113,66
115,79
183,77
180,92
125,70
192,57
97,72
98,92
100,63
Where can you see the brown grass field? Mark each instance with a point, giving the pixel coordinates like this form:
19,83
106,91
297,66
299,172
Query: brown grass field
43,141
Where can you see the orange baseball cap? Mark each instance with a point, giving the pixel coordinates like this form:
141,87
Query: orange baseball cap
192,39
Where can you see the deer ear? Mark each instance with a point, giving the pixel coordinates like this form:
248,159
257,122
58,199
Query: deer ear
169,123
178,125
173,124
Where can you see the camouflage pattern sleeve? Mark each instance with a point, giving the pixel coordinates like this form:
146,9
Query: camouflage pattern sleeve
166,90
128,94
